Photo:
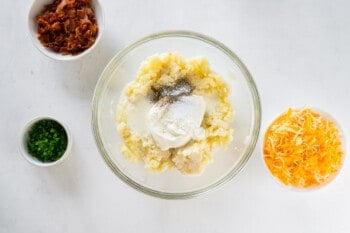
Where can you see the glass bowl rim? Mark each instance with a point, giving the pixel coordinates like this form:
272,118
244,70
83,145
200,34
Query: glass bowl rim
256,124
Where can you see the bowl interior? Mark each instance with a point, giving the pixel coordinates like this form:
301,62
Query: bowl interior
226,162
37,7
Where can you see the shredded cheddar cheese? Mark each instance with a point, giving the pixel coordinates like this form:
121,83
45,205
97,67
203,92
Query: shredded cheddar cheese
303,148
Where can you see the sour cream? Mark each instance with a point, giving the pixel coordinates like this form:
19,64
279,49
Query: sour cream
174,123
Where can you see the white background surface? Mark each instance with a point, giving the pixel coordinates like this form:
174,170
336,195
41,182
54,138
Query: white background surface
298,53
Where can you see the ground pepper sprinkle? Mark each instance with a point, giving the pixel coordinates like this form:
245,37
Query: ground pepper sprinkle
68,26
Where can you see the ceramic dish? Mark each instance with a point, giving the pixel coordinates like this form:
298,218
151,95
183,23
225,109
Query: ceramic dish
37,7
33,160
333,175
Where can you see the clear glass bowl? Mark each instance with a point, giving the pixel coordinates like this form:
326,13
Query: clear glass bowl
244,97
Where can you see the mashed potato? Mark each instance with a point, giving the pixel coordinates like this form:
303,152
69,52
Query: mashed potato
165,69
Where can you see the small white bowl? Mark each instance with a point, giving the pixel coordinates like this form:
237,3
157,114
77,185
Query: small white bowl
33,160
35,10
327,116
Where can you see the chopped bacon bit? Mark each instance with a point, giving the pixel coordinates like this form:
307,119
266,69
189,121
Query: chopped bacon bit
68,26
303,148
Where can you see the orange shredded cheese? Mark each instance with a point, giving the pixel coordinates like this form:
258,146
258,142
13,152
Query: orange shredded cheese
303,148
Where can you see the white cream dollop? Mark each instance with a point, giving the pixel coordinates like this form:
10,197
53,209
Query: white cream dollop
174,123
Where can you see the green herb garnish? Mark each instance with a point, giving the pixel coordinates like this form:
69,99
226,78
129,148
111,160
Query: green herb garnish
47,140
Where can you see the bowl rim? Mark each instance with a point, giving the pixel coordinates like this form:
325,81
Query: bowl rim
60,57
254,134
35,161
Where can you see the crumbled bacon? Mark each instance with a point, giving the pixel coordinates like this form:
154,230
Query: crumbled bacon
68,26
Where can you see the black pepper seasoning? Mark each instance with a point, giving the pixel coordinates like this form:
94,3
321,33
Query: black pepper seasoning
180,88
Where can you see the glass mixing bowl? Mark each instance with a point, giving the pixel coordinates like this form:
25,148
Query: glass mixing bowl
244,98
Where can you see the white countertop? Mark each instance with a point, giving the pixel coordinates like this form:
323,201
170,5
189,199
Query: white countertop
298,53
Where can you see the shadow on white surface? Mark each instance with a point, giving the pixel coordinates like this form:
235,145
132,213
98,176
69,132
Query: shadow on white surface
79,77
63,176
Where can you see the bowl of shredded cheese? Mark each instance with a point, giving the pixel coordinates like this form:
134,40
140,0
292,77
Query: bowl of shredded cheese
176,114
304,148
